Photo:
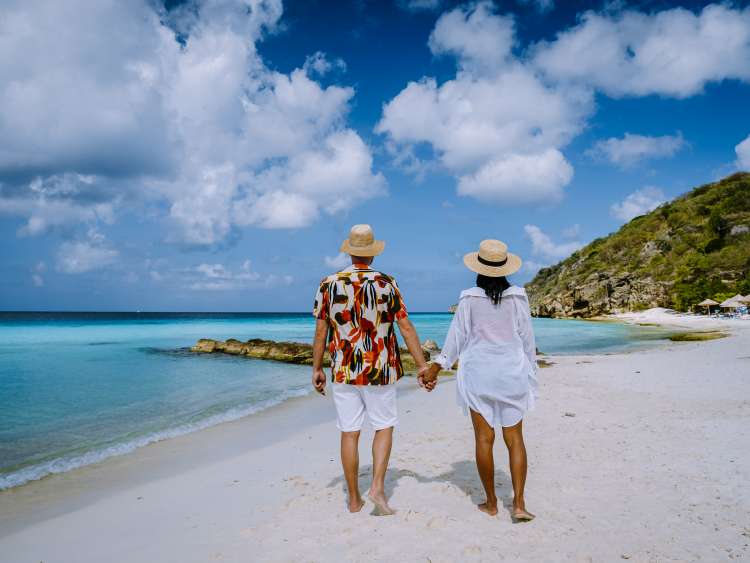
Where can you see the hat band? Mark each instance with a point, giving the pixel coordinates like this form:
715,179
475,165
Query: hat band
490,263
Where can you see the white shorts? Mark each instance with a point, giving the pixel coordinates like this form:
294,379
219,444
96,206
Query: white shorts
353,401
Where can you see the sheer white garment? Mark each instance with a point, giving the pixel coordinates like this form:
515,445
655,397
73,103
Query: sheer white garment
496,353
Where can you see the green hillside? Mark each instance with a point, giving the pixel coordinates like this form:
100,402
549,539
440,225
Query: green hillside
693,247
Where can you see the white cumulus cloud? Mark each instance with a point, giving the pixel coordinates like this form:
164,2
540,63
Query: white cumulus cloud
91,253
639,202
200,125
475,36
338,262
519,178
37,279
218,277
672,53
496,126
542,244
632,148
743,154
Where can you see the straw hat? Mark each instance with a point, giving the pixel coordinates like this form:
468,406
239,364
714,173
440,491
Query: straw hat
361,242
493,259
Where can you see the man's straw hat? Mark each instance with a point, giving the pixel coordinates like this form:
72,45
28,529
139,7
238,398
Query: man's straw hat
493,259
361,242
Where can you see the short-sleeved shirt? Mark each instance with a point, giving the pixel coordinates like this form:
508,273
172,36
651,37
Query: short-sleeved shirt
361,306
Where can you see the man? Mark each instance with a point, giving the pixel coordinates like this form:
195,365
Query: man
356,310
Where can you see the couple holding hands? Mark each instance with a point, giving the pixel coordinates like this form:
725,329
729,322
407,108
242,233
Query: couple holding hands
491,334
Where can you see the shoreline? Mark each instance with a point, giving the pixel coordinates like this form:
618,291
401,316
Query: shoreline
156,460
268,484
59,466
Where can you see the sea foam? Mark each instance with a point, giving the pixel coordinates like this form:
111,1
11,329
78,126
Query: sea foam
63,464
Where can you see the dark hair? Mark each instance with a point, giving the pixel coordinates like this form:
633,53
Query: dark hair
493,287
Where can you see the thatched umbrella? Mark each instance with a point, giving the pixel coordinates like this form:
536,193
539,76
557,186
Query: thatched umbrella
730,303
708,303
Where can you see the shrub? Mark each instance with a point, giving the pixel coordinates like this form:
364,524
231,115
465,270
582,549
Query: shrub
717,224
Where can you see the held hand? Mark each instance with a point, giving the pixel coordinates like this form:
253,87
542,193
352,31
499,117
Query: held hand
427,376
319,381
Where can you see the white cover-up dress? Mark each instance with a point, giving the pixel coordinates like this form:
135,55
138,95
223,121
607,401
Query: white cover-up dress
496,353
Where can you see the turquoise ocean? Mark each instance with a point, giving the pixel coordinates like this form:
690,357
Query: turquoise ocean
76,388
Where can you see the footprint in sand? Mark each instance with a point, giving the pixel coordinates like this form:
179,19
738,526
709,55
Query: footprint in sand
296,481
436,523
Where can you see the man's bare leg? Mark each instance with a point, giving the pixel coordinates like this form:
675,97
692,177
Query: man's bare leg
381,453
350,463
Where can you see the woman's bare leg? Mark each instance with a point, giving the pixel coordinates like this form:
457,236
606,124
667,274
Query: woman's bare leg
484,435
513,437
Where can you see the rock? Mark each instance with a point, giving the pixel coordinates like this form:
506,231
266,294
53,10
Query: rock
673,257
430,345
288,352
233,346
205,346
408,361
601,294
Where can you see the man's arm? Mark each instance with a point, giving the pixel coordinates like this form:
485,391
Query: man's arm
410,336
319,345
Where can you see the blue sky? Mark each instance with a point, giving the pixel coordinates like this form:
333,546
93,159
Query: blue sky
210,155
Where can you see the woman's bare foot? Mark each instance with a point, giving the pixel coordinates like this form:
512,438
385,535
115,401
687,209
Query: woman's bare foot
355,505
381,504
521,515
488,507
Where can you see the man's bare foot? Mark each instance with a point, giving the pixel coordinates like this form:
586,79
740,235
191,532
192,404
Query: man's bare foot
488,507
381,504
521,515
356,504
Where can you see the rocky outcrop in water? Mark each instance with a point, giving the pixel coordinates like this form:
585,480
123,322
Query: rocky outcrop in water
288,352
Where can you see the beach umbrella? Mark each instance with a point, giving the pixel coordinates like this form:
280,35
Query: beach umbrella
708,303
730,303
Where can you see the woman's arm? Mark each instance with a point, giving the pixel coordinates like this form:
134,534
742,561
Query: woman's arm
526,332
456,338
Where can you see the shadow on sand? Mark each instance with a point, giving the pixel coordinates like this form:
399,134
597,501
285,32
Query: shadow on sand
463,475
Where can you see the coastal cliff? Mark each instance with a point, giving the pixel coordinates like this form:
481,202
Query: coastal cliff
694,247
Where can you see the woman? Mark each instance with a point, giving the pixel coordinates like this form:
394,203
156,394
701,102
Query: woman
492,338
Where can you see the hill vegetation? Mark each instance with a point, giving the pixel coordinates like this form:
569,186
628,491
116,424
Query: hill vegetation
694,247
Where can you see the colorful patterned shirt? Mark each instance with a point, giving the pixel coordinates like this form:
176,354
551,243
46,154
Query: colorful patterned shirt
361,305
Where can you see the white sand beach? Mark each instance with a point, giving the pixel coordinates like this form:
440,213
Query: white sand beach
640,456
673,319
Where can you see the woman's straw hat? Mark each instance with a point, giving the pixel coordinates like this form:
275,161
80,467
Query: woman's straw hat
493,259
361,242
